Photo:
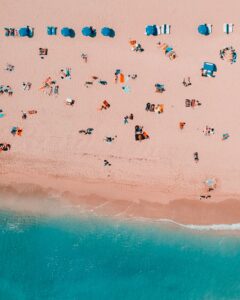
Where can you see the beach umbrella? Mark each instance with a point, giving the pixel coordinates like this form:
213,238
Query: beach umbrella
86,31
106,31
24,31
149,30
203,29
211,183
67,32
89,31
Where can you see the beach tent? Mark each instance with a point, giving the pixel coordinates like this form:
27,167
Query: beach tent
203,29
106,31
89,31
68,32
209,68
25,31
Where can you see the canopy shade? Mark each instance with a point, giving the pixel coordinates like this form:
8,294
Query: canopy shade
209,67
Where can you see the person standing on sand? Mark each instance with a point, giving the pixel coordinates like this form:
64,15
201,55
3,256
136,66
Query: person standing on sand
181,125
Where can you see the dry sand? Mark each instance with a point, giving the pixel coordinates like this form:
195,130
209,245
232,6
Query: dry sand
155,178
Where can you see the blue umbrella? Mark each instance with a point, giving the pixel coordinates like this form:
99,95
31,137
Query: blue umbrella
106,31
149,30
67,32
89,31
86,31
24,31
203,29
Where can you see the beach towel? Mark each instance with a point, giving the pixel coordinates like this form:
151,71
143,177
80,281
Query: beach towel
126,89
2,115
121,78
228,28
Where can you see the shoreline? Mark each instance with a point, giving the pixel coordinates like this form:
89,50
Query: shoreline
75,196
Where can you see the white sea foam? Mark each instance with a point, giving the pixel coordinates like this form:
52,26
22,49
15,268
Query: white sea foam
209,227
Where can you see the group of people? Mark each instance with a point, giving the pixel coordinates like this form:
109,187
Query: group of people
16,131
135,46
228,54
126,118
26,86
6,89
209,131
43,52
65,73
140,134
167,50
50,87
192,103
158,108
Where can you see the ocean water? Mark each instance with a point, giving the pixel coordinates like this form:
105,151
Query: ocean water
89,258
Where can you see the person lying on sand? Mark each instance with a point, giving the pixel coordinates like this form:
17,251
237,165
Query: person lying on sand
109,139
205,197
87,131
5,147
9,68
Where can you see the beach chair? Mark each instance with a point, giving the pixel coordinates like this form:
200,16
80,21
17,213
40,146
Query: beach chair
209,26
51,30
165,29
228,28
70,101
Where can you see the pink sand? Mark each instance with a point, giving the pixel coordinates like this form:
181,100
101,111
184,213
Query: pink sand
148,178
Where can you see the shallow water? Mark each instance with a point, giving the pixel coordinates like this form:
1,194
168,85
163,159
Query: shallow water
90,258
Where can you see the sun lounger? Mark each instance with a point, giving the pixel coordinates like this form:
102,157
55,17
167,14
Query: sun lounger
51,30
228,28
209,26
165,29
157,30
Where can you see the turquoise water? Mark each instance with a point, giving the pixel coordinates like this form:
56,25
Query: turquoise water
69,258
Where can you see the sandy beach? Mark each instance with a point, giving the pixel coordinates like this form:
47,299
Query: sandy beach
155,178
